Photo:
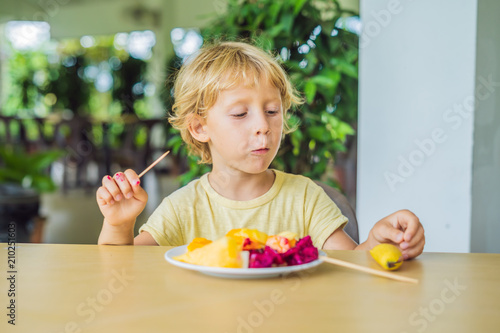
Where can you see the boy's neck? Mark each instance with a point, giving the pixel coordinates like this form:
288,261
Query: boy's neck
241,186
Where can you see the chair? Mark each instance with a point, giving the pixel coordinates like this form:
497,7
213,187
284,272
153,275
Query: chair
341,201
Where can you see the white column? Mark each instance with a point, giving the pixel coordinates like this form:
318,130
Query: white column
485,223
416,116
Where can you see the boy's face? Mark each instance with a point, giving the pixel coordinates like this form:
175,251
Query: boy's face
244,127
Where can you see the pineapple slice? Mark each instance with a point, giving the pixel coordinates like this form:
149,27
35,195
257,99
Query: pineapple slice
197,243
223,252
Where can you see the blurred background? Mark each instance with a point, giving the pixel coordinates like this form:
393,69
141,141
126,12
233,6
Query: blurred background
85,88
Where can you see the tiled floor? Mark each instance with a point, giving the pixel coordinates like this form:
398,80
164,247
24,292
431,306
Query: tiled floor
74,217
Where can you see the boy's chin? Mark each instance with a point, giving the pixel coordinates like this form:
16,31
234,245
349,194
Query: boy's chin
260,170
255,170
249,166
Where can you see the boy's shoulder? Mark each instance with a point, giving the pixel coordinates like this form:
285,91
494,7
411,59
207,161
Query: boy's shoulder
286,182
188,191
298,186
293,180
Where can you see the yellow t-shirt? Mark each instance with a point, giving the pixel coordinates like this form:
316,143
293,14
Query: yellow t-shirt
294,203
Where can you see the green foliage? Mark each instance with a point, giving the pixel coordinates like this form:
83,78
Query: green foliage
24,90
65,81
46,81
322,62
130,73
28,170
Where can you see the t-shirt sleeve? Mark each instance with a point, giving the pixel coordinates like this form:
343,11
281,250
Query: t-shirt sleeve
323,215
164,225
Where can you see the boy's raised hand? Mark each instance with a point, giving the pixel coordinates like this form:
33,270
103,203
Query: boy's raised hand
121,198
402,229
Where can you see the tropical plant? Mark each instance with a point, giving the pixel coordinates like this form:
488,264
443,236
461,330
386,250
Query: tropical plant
23,90
321,59
46,81
28,170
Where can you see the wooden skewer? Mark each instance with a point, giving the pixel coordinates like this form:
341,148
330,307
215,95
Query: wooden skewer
153,164
367,269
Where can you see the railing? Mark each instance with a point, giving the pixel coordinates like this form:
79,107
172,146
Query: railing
125,142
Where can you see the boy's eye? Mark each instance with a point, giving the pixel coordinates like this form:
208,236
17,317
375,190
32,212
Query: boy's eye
272,112
239,115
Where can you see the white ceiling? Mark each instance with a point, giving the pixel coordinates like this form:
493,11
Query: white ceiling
78,14
23,8
73,18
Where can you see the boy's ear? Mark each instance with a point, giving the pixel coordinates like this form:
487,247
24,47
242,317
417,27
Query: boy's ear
197,129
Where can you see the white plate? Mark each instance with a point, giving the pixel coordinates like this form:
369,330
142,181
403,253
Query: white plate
237,273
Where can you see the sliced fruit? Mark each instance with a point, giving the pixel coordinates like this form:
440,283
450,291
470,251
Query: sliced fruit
224,252
197,243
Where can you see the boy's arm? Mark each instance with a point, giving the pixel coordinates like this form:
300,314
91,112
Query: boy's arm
402,229
339,240
116,234
144,238
111,235
121,199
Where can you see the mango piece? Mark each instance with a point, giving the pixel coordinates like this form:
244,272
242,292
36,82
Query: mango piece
254,235
197,243
224,252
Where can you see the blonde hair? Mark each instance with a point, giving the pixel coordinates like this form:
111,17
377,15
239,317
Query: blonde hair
219,67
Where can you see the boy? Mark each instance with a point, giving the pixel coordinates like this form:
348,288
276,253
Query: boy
231,104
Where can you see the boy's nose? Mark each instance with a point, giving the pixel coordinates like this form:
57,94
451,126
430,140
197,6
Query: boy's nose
262,128
262,124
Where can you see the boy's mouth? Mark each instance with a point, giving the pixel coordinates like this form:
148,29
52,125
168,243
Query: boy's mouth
260,151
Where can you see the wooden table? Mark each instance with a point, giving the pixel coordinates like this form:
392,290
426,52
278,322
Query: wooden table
90,288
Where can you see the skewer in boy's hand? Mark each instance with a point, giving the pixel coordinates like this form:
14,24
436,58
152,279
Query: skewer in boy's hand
121,198
402,229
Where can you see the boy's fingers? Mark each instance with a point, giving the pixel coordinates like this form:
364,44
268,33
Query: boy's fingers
386,232
406,221
123,184
110,184
133,179
416,238
404,230
104,197
415,246
413,252
135,184
410,224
